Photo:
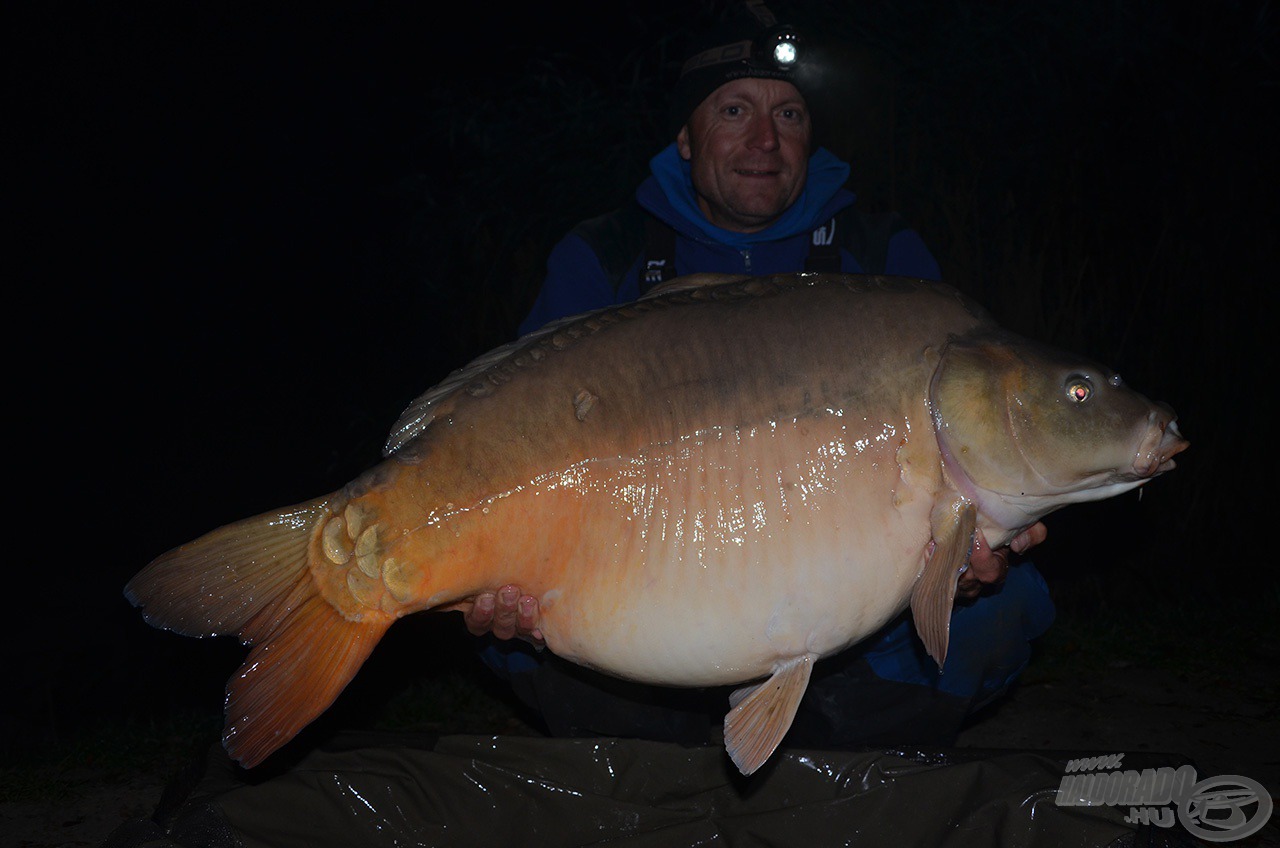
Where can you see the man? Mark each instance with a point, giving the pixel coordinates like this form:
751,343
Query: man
736,192
739,191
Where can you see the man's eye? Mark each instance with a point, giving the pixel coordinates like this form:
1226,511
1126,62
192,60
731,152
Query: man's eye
733,111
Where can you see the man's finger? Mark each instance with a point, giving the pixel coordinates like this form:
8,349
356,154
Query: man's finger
989,566
1032,536
967,588
527,614
479,619
505,614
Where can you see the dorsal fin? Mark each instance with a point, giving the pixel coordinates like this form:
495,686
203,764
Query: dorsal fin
422,411
482,375
693,281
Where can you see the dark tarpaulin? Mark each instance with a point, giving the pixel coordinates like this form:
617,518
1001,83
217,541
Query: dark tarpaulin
396,790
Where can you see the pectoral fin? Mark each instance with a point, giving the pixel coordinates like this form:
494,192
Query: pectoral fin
762,713
935,590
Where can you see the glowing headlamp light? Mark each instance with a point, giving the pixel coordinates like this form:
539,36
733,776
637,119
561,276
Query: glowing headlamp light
781,46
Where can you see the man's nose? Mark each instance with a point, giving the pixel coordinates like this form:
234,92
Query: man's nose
763,134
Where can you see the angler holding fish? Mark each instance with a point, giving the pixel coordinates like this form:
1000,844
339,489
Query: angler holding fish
744,190
718,484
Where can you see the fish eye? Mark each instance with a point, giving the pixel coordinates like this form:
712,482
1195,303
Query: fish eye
1079,389
1114,381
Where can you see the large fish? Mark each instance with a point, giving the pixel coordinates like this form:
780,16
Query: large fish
718,484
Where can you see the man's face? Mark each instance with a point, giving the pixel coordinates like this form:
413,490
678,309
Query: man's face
748,147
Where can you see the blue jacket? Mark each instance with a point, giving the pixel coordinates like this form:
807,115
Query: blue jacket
577,279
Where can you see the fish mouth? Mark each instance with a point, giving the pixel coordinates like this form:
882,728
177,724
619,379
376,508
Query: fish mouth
1160,443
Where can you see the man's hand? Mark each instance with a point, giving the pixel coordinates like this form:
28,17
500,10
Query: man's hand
990,567
506,614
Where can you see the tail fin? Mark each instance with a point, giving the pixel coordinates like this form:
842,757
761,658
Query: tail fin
252,578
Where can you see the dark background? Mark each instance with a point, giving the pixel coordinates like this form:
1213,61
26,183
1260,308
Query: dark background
248,234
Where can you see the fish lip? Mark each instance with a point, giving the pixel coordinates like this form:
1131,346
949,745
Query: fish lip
1161,441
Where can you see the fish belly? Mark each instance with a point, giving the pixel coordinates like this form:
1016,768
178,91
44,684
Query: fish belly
710,560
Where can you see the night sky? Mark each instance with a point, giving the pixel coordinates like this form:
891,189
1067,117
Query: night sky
248,236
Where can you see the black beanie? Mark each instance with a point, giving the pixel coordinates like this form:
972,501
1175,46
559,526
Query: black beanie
733,50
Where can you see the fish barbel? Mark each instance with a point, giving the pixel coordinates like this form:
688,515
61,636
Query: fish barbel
717,484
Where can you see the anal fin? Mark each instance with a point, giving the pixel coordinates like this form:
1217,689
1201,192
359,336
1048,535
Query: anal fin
935,591
762,713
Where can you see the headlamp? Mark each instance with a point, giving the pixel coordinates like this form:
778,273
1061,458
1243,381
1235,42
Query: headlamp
782,47
778,48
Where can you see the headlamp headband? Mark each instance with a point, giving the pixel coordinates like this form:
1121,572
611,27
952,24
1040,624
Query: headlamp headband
776,49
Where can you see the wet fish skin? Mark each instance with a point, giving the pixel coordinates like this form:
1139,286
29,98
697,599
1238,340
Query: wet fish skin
802,455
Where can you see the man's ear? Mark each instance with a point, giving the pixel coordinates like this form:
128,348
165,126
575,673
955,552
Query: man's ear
682,143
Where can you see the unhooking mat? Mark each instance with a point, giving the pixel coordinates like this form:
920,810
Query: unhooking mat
376,790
